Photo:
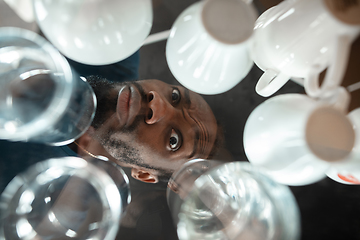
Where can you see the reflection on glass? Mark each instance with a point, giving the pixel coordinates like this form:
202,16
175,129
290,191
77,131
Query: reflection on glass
235,201
65,198
40,98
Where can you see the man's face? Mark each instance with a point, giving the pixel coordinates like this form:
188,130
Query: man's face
167,124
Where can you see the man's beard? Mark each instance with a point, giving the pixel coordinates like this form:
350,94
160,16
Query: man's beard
113,143
120,149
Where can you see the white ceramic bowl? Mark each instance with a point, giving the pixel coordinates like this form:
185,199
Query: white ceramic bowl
95,32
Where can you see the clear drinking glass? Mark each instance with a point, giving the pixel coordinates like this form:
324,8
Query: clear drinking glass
65,198
182,181
234,201
41,98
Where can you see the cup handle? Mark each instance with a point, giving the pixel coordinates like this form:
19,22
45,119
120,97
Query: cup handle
335,71
270,82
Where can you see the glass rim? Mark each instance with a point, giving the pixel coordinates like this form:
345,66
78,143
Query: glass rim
283,200
63,90
95,176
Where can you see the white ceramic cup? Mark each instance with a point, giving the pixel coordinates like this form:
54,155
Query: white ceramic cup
293,137
348,171
300,39
95,32
208,47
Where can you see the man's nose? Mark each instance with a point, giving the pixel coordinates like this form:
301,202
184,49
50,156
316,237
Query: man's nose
157,108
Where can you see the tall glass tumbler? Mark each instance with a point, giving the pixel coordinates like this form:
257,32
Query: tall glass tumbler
181,182
64,198
41,99
236,201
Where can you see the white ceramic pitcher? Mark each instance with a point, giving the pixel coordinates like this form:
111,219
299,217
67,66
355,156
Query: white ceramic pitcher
300,39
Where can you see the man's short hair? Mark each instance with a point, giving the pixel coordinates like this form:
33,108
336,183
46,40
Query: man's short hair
106,101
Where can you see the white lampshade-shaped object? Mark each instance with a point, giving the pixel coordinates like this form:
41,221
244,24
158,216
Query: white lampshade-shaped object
95,32
208,47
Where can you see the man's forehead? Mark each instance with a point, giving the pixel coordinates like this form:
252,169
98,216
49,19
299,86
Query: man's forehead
153,82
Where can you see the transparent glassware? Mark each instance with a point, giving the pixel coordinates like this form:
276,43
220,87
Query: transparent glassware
41,98
65,198
234,201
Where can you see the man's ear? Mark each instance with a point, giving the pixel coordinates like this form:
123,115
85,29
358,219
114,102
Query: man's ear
144,175
84,142
85,139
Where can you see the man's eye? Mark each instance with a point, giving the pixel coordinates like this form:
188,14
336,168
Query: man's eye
175,141
175,96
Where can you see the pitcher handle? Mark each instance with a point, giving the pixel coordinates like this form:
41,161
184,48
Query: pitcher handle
270,82
335,71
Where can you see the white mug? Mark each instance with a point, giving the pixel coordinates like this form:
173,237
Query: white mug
293,137
95,32
348,171
300,39
208,47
